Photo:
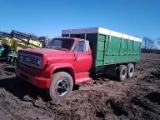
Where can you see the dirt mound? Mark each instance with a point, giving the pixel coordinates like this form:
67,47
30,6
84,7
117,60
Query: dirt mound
102,98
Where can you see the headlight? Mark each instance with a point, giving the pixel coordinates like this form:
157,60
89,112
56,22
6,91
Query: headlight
38,62
20,57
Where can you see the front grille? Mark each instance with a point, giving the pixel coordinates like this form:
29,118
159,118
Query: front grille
30,60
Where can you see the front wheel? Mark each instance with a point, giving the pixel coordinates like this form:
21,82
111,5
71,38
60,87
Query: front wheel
61,85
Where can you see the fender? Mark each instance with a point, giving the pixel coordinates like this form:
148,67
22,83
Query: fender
51,68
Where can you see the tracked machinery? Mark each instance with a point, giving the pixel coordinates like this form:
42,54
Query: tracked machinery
17,41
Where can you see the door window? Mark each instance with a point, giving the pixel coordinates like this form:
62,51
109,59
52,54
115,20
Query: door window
79,47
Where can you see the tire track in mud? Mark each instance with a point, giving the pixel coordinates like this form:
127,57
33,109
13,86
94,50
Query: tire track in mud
6,114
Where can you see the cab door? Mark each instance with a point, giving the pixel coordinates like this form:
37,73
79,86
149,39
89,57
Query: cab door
82,57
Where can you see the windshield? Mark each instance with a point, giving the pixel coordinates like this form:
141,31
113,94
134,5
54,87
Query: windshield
61,44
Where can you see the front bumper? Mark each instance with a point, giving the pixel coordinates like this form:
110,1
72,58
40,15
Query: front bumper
39,82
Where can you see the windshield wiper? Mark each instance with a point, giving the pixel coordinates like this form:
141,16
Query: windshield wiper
60,48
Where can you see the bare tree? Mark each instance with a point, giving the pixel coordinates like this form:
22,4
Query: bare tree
158,41
148,43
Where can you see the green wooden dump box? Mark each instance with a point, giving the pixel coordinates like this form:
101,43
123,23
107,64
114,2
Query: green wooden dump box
108,47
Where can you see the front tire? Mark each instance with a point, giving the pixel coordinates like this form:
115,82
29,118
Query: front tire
61,85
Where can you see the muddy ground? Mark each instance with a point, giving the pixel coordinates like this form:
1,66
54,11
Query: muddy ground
104,98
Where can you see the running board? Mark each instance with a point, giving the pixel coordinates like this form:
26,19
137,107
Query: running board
82,77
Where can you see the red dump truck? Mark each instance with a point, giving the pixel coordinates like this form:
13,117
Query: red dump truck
70,59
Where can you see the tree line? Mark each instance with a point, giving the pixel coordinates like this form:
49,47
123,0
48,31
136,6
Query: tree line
149,43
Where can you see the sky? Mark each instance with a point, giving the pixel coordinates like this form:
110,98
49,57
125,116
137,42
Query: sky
49,17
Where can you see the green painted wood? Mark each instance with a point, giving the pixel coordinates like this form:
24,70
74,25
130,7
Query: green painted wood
100,50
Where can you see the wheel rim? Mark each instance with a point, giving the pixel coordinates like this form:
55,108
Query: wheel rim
131,70
123,73
62,87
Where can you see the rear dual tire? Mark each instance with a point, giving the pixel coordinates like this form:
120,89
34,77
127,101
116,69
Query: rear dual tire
122,72
130,70
125,71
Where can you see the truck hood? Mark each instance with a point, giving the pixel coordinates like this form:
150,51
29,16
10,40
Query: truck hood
43,51
49,55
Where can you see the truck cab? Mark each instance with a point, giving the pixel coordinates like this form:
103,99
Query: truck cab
65,62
